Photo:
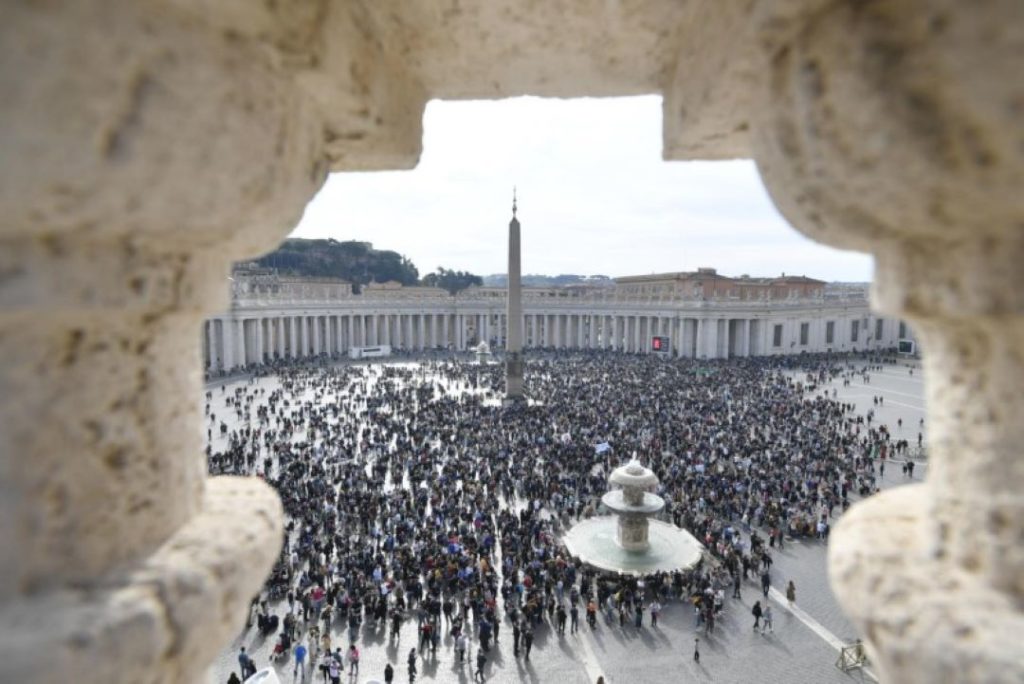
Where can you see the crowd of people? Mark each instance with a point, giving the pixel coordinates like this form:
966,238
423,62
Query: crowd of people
413,494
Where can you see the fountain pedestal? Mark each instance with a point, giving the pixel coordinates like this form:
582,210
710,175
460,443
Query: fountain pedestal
633,534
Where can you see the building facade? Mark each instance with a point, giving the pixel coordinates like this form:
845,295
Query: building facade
704,314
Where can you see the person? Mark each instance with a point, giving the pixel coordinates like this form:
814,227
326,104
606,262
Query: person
233,679
756,612
766,583
574,619
481,661
655,609
300,662
767,626
326,658
412,665
246,665
389,673
334,669
791,592
461,645
353,660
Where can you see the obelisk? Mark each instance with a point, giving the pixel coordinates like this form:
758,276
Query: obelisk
514,332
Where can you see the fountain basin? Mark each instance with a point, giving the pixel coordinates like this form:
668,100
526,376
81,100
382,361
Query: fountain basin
594,542
616,501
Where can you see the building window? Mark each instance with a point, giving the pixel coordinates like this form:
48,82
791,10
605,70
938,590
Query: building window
878,330
903,330
854,330
805,333
777,336
830,332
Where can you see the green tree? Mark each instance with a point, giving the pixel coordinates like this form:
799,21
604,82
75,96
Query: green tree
452,281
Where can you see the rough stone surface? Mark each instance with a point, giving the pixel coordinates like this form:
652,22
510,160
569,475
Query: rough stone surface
147,145
894,128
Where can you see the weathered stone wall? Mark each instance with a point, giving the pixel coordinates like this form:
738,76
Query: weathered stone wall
146,145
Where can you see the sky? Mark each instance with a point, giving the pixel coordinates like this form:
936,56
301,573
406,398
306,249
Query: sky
595,197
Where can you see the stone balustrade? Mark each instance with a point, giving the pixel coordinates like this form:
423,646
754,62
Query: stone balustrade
147,146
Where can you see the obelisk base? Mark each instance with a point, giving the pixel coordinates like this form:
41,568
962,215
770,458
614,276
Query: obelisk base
513,379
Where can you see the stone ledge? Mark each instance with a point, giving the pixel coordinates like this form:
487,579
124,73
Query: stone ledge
895,578
172,614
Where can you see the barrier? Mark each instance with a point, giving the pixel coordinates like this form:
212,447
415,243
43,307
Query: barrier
852,657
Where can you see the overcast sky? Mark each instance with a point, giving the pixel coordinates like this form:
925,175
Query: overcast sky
595,197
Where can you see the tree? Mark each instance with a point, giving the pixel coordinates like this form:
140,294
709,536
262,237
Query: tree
452,281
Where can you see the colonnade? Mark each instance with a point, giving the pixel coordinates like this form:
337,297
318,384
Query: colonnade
242,338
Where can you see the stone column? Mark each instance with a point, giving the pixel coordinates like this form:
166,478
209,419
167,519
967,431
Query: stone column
241,351
293,345
228,342
271,337
932,573
257,325
211,343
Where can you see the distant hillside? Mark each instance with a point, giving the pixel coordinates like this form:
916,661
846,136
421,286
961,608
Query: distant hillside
537,280
357,262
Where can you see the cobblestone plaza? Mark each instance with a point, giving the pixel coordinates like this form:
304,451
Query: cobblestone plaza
802,648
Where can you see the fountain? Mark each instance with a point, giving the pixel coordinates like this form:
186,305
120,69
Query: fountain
483,352
629,541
